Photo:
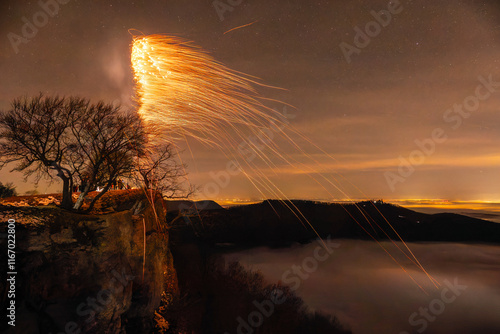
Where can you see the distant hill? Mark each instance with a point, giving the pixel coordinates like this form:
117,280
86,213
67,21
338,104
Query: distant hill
277,223
176,205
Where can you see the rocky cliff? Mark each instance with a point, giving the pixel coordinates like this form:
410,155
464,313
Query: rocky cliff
89,273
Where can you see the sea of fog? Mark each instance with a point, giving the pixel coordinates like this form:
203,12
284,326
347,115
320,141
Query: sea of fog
369,293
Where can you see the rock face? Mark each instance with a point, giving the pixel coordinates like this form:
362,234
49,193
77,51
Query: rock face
101,273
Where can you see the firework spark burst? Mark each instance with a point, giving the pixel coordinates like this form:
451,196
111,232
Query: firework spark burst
190,94
185,92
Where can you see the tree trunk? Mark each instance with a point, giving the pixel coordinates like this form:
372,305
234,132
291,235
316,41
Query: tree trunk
99,195
67,201
81,198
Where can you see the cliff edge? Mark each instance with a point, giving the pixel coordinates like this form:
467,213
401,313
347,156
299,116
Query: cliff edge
89,273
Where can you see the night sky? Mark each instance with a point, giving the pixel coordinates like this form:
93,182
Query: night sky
367,113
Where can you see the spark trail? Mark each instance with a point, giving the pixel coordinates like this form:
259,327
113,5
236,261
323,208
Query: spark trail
184,92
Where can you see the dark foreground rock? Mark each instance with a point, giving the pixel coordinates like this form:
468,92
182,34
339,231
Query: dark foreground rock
81,273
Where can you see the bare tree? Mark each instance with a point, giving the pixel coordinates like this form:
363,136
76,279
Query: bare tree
95,144
107,143
34,134
73,138
158,169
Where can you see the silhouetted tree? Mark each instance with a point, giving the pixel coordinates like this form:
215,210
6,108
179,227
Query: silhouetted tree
7,190
34,133
157,169
107,143
95,143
